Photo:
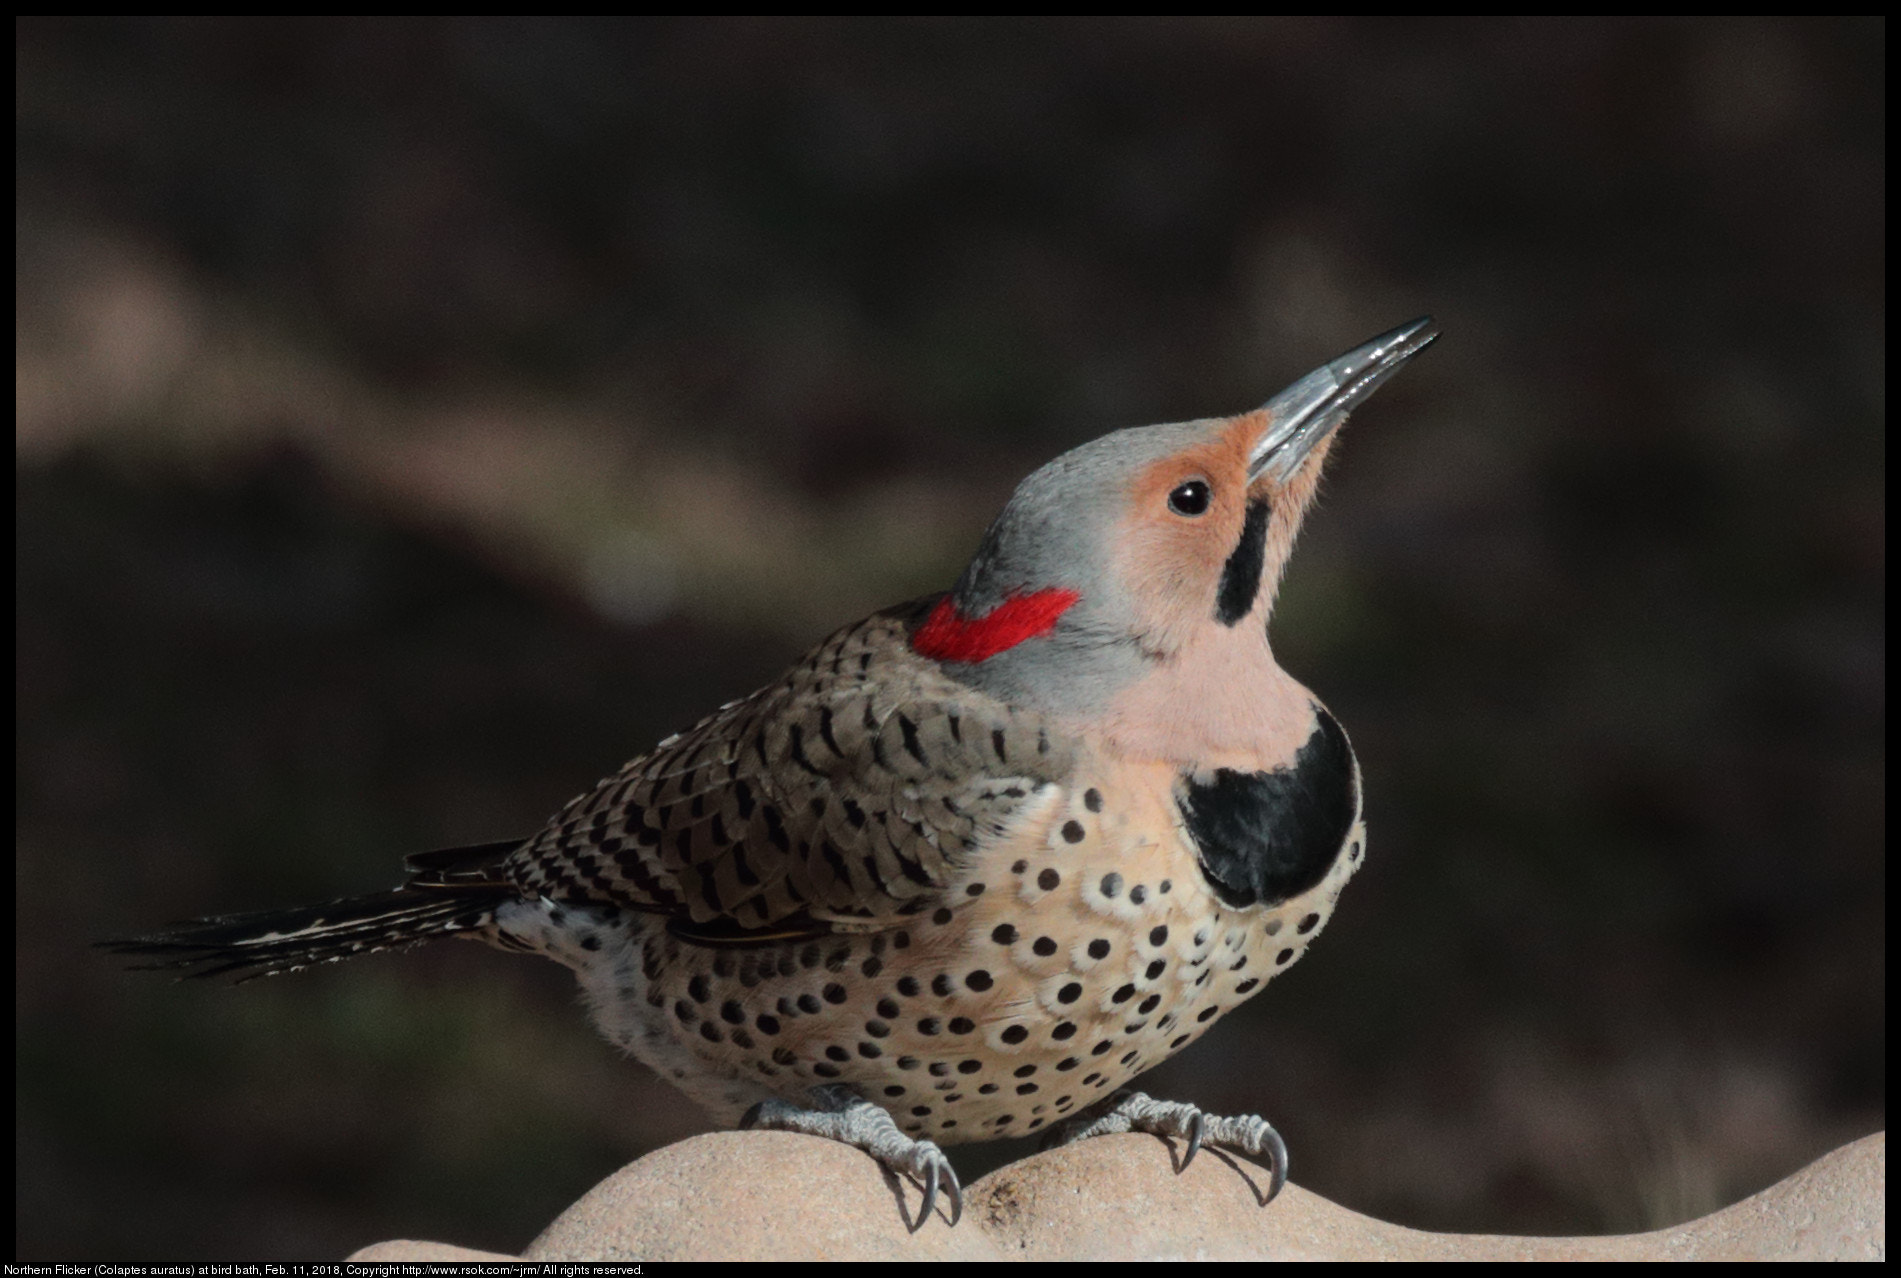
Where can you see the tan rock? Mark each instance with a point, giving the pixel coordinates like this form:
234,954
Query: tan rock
774,1196
755,1196
408,1249
1102,1199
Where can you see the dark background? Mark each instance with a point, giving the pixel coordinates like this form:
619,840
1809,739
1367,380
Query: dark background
416,419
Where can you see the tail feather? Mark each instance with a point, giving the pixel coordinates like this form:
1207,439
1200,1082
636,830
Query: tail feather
269,942
478,865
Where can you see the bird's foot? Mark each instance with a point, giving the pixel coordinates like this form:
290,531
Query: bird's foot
1131,1111
840,1114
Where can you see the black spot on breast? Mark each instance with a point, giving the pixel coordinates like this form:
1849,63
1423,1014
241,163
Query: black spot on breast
1241,575
1265,837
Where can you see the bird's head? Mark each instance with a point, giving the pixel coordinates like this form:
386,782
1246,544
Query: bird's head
1149,545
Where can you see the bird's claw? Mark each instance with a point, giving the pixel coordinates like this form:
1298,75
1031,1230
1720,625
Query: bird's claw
1197,1127
936,1169
930,1195
840,1114
1131,1111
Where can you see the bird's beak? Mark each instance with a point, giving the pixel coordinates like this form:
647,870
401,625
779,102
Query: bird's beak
1307,412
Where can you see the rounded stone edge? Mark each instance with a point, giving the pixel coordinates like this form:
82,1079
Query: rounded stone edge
1046,1207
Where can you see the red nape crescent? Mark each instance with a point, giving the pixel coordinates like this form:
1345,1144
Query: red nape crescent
945,636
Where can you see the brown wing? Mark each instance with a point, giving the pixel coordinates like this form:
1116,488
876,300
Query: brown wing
844,797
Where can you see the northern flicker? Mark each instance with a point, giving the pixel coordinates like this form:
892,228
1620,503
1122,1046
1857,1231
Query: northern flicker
977,860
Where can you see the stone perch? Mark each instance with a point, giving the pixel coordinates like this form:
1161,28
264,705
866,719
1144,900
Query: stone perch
776,1196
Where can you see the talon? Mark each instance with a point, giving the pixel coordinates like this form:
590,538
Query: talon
930,1195
956,1193
1195,1128
1277,1166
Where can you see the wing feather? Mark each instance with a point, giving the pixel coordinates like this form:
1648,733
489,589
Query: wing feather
847,796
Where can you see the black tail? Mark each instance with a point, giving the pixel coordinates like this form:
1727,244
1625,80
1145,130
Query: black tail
267,942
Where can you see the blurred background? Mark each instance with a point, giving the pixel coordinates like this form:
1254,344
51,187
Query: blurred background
415,419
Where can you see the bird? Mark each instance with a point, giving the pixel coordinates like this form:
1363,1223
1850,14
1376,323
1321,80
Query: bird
974,862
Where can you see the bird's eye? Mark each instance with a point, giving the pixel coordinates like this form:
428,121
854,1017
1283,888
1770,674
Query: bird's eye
1190,498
